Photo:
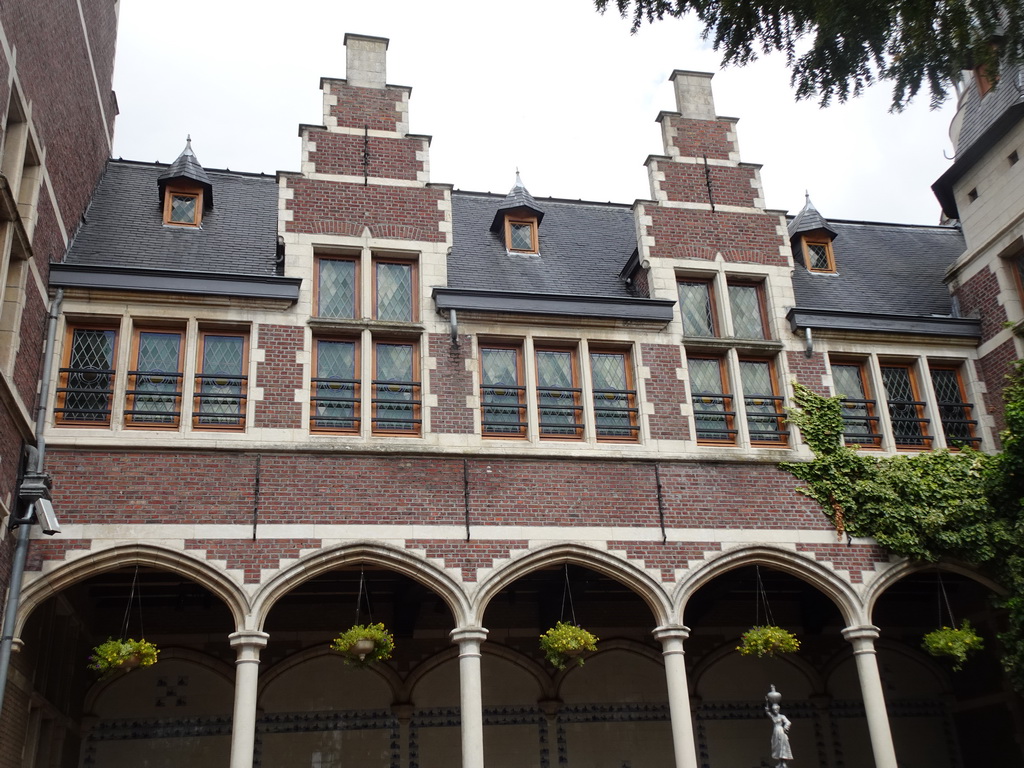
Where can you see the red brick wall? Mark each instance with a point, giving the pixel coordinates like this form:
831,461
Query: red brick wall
342,154
726,496
808,370
994,368
665,391
741,237
252,556
41,550
373,108
405,213
978,297
470,556
696,138
279,375
451,382
688,182
668,556
855,558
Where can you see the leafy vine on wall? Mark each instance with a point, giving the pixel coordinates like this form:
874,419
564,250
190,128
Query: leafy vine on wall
960,505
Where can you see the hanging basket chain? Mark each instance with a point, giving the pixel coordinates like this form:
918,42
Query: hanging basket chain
762,597
364,594
128,608
944,598
567,593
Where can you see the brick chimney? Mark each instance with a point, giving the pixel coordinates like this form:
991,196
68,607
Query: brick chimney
694,99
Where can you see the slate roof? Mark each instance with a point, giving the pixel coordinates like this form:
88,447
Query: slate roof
124,226
892,269
809,220
187,167
583,247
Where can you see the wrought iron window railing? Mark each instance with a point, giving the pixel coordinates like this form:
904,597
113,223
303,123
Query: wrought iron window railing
220,400
860,427
84,395
396,406
765,418
615,413
153,397
559,411
334,404
504,409
712,416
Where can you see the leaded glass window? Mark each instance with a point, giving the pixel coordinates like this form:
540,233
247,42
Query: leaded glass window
336,288
909,427
394,291
712,406
747,311
88,380
183,209
154,387
697,308
954,411
335,390
502,396
558,400
763,407
860,425
614,401
396,393
520,236
819,256
220,382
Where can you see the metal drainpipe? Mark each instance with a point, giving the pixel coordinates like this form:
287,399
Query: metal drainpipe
24,523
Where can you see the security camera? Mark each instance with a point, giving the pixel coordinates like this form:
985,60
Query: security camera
46,517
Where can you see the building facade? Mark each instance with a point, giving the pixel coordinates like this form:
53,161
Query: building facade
282,406
56,123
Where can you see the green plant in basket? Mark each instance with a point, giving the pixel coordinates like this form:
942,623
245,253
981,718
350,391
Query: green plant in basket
364,643
953,642
767,641
565,643
113,656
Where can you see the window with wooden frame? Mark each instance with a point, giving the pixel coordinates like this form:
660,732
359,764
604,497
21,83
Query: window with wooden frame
762,403
860,417
396,402
86,379
749,317
615,409
335,389
183,205
394,289
221,382
502,394
818,254
521,234
906,409
697,307
954,410
337,286
713,412
559,397
153,395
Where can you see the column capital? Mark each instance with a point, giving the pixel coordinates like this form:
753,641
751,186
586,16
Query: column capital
863,635
248,639
462,635
671,632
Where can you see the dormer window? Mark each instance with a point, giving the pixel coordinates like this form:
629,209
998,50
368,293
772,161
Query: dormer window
183,207
818,255
521,235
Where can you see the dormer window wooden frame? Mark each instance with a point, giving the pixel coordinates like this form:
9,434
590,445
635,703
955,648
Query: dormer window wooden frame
519,229
818,254
176,199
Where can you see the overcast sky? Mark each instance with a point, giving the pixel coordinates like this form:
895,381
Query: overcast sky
549,86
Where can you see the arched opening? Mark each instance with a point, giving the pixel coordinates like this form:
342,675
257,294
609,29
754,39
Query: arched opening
175,713
729,689
942,717
316,709
610,712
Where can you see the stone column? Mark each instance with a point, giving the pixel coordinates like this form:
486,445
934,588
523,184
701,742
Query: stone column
468,639
403,714
678,694
247,645
863,640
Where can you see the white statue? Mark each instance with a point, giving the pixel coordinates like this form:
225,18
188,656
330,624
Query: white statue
781,750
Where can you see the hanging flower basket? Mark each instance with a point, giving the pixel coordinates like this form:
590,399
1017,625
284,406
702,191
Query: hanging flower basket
114,656
767,641
953,642
565,643
364,643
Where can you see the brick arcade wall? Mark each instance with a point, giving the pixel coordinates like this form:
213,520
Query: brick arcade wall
280,374
665,391
451,382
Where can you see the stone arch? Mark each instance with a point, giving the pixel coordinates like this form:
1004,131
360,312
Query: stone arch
878,586
816,678
181,563
648,589
293,660
795,564
370,553
534,670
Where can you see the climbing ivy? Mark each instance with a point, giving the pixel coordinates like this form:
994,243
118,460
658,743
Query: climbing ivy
964,505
